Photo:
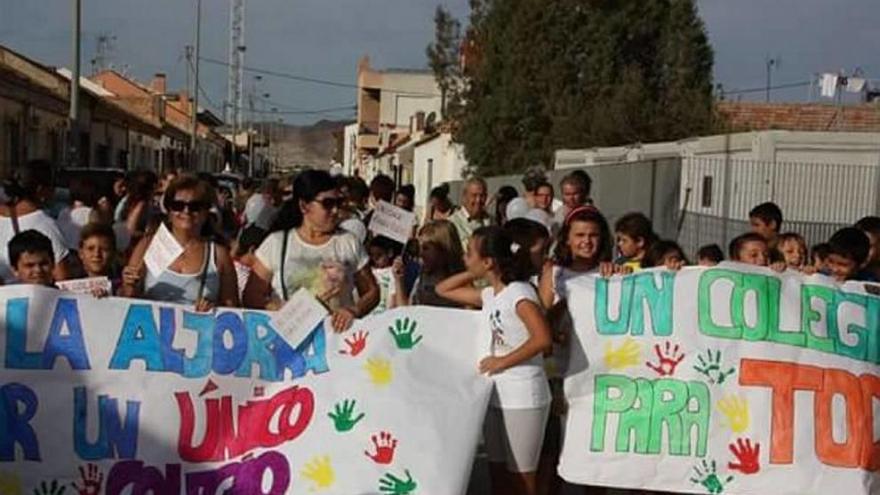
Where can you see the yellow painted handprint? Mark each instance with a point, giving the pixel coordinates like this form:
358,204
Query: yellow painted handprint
379,370
627,355
736,413
320,472
10,484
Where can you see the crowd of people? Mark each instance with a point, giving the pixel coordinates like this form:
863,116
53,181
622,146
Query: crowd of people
508,255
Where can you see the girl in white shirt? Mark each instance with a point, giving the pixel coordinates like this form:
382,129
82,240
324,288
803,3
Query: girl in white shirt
514,427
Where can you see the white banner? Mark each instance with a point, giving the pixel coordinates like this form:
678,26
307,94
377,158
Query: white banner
392,222
123,396
729,380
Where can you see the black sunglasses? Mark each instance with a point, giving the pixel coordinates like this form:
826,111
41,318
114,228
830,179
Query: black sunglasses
193,206
330,203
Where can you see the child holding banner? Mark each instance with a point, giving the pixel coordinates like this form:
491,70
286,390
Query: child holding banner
32,258
514,426
635,234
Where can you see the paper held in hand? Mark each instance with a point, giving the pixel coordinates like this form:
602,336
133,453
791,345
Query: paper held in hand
86,285
163,250
299,316
392,222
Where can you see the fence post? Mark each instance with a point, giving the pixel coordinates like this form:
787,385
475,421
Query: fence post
725,229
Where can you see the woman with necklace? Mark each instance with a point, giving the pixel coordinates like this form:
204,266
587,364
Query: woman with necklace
203,275
306,249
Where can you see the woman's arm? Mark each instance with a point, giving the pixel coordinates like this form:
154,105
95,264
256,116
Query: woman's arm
368,298
258,288
460,288
228,296
539,340
398,270
545,285
134,271
368,292
133,219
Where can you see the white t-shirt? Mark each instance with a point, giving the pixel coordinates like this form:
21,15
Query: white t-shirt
259,212
523,386
356,227
387,288
317,268
71,221
37,220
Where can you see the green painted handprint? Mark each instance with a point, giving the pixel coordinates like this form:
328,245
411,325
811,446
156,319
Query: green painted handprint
710,367
707,475
51,489
395,486
342,416
403,333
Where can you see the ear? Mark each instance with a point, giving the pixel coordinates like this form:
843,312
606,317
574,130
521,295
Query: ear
303,206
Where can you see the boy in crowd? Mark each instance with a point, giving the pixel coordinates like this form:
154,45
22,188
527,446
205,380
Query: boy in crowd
710,255
848,251
819,257
750,248
871,227
32,258
766,221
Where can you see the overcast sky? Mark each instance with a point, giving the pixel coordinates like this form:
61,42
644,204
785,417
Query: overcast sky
324,39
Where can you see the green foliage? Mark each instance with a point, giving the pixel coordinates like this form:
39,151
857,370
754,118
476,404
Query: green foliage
557,74
443,58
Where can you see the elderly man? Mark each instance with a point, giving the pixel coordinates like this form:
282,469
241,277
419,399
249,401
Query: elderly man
472,214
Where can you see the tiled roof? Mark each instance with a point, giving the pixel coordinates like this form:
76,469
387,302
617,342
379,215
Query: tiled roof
749,116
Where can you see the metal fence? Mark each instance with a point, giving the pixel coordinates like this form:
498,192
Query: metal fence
651,187
816,199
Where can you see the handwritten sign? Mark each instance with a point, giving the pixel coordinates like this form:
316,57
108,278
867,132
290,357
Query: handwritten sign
86,285
726,380
163,250
392,222
126,396
299,316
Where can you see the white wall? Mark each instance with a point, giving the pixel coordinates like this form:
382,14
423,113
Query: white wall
349,151
436,161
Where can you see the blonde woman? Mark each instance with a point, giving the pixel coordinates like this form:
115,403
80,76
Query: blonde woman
440,256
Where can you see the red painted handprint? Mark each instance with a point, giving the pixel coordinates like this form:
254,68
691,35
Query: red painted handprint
747,456
92,479
356,343
384,445
669,359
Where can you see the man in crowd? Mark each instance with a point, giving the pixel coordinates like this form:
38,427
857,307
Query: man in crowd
261,209
575,192
472,214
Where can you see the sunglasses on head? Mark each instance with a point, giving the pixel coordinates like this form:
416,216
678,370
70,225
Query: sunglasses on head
330,203
193,206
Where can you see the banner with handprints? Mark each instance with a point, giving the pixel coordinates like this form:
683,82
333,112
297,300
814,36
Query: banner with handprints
730,380
122,396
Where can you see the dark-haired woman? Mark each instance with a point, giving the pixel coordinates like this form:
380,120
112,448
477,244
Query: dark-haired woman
520,335
306,249
203,275
27,189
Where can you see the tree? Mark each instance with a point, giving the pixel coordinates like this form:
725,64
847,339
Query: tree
443,58
580,73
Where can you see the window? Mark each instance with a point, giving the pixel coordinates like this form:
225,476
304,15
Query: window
707,191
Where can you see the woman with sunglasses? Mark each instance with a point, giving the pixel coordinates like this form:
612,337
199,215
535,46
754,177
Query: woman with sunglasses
203,275
307,249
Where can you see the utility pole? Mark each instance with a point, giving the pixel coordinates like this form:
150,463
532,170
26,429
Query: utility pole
193,141
771,64
73,116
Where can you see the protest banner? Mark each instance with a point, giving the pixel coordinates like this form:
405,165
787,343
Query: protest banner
127,396
392,222
732,380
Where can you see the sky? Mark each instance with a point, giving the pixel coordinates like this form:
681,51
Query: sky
324,39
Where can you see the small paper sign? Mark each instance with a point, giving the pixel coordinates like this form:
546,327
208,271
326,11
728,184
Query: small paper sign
163,250
299,316
392,222
86,285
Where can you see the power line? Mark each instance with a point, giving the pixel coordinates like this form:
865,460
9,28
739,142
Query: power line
348,108
325,82
764,88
